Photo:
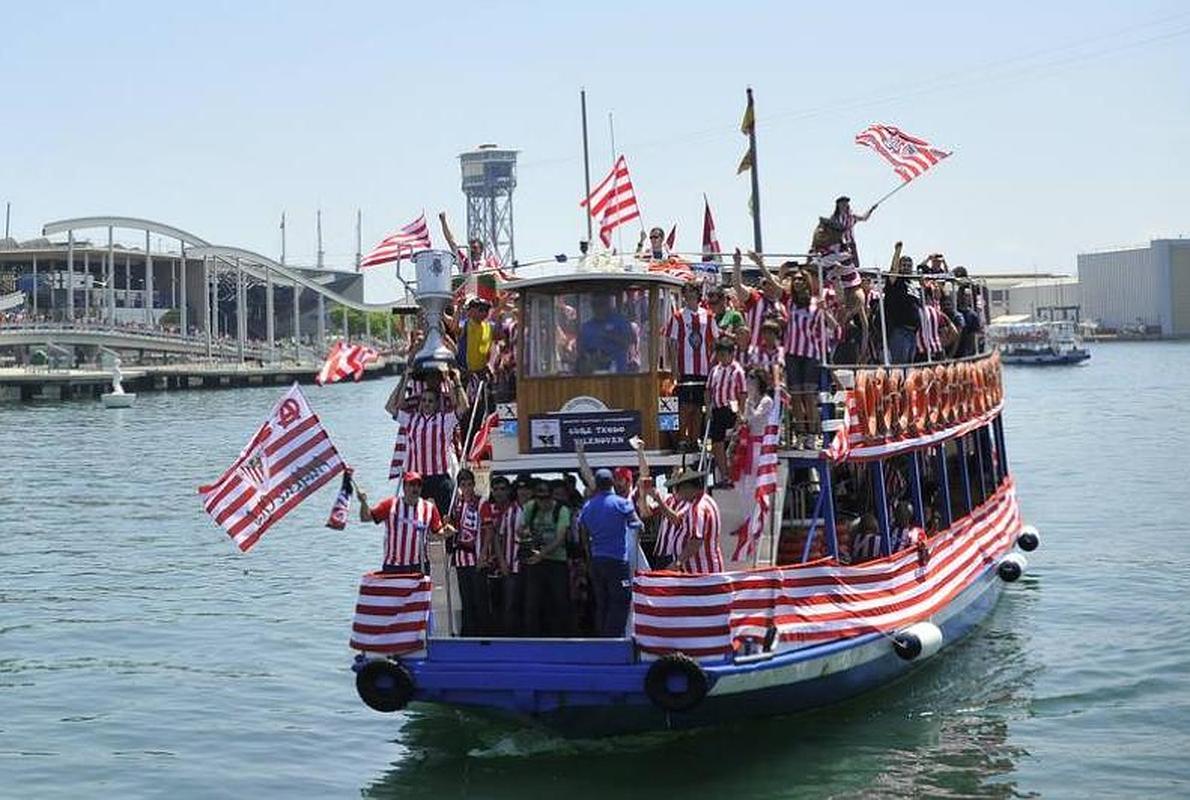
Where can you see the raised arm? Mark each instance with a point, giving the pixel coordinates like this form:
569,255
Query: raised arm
584,467
737,280
446,234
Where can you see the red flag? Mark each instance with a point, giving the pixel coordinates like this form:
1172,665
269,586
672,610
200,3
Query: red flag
710,241
339,511
288,459
399,244
764,471
481,443
673,237
343,360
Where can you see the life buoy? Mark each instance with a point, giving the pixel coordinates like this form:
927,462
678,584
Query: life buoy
989,379
892,401
861,404
675,682
878,381
963,407
384,685
935,395
977,398
918,401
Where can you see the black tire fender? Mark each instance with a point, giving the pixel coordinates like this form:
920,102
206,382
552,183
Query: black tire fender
384,685
679,669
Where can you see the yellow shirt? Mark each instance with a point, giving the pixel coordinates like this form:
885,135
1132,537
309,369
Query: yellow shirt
479,344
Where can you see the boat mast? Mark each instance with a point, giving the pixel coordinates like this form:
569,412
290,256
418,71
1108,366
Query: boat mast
587,159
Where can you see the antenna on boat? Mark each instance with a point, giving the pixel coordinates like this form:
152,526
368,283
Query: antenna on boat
611,126
582,94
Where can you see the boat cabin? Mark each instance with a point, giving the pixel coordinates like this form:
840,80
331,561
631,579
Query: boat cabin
591,369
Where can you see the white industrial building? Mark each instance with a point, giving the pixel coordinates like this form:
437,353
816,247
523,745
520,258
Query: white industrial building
1138,288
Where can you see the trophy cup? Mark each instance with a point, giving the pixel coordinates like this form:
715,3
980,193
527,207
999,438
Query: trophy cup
433,293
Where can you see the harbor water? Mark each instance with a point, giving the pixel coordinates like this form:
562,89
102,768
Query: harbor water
141,655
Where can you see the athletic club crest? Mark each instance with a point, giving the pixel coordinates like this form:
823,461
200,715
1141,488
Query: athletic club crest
256,471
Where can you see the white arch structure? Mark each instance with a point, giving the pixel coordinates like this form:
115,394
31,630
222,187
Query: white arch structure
246,263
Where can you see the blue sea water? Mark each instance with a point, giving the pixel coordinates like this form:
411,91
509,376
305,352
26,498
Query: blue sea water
141,655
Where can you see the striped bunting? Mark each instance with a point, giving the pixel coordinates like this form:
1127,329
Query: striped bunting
765,485
908,155
288,459
703,615
392,613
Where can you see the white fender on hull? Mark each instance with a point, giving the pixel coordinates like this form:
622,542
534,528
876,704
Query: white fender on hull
919,640
1028,539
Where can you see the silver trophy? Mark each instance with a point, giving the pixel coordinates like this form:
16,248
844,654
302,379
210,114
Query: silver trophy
433,294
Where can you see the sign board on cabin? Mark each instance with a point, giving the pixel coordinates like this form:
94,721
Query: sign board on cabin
599,431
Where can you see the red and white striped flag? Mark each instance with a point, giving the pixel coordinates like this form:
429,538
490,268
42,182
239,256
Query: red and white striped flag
908,155
406,241
710,240
392,613
613,201
849,433
344,360
765,477
342,507
288,459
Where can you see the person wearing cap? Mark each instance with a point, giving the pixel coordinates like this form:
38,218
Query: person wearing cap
726,389
606,523
699,520
409,520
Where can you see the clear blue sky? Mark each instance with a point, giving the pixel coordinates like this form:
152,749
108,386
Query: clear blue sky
1070,120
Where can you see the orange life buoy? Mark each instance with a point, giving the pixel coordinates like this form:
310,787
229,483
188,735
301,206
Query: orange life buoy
876,392
989,398
892,395
997,379
960,398
977,405
934,385
861,401
950,407
919,401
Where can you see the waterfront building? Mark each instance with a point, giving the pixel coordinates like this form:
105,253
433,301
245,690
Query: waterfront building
1138,289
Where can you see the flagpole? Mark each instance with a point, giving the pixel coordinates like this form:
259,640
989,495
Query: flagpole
611,125
890,194
282,238
756,241
587,158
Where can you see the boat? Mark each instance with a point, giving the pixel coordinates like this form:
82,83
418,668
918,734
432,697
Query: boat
1052,337
789,624
117,397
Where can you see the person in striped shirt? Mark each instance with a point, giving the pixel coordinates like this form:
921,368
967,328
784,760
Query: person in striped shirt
432,447
501,519
936,328
769,352
758,305
699,551
804,345
669,527
466,518
690,335
726,388
409,521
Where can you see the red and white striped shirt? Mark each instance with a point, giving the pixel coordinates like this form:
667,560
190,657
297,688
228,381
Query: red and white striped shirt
702,523
505,522
430,442
758,308
407,529
726,385
929,338
694,333
465,516
761,356
669,533
803,333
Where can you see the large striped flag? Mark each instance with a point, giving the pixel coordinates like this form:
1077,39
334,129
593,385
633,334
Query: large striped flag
401,244
908,155
613,202
288,458
710,240
345,360
392,613
765,483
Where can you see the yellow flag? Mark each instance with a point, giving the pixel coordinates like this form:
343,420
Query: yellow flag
749,121
745,162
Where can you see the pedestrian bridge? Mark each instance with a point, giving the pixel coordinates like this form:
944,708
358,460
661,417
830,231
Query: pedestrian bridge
122,338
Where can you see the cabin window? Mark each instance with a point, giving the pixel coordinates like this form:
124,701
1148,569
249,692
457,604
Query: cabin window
601,331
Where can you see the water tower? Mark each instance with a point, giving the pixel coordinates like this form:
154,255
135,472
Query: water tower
489,176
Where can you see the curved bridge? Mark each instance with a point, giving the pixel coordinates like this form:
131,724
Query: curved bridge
116,338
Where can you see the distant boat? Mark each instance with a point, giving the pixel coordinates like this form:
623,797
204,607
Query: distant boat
119,399
1040,343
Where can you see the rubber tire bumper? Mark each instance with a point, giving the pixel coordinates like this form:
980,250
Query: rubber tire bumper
676,666
384,685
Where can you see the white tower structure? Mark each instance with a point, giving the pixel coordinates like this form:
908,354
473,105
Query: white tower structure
489,176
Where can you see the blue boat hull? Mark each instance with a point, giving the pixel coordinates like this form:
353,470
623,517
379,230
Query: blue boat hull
593,688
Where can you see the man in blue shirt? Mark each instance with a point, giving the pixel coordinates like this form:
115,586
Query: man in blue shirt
604,339
607,521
